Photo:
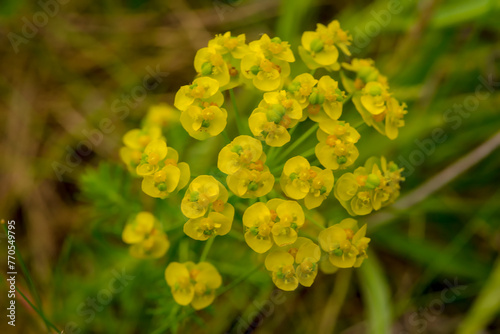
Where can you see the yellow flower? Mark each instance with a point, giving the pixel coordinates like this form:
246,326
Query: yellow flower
204,122
251,183
365,73
193,284
306,254
290,217
161,115
280,263
170,178
204,193
275,114
370,187
325,101
215,224
299,180
394,118
131,158
227,44
202,92
155,245
242,152
138,139
135,142
273,48
266,74
337,242
277,218
275,135
258,222
374,97
144,233
153,154
208,62
319,48
336,149
301,88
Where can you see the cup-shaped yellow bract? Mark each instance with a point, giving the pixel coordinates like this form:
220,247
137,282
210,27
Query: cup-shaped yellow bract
227,44
275,222
193,284
169,178
216,223
336,148
242,152
266,71
307,255
275,114
204,122
209,62
144,233
319,48
153,155
251,183
206,194
365,72
267,65
394,118
345,243
135,142
334,240
301,181
203,91
301,88
280,264
374,97
370,187
273,48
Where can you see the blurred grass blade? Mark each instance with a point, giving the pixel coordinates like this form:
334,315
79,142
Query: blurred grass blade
486,306
424,252
375,292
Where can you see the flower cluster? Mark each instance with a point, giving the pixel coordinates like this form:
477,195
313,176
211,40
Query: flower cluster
274,139
372,98
243,162
193,284
370,187
146,237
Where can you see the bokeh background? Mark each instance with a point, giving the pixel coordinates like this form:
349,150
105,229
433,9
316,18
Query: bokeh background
66,66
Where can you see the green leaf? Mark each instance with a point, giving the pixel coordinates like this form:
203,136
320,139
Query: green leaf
375,293
486,305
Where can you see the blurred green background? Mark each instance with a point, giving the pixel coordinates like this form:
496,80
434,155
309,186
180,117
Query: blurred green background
66,66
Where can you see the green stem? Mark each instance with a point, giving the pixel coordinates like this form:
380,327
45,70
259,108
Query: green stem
40,313
207,247
347,98
314,221
239,280
226,136
297,142
239,121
